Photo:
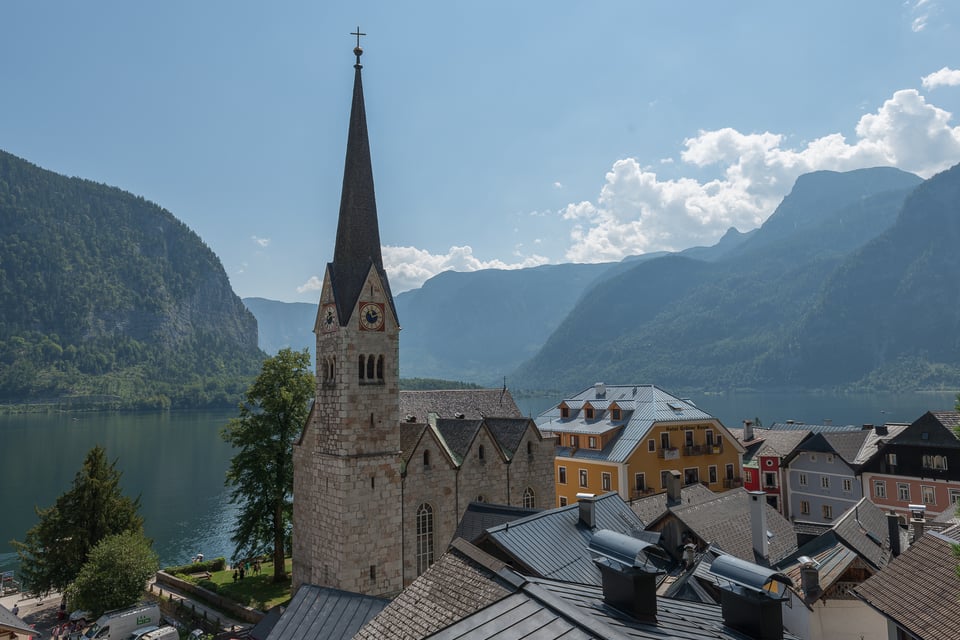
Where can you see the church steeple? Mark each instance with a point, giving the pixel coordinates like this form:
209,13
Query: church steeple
358,232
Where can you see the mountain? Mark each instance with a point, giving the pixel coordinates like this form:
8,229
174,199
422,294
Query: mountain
284,324
109,299
688,323
479,326
889,316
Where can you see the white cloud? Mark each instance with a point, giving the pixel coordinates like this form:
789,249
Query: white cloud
945,77
919,24
263,242
314,283
636,212
409,267
557,185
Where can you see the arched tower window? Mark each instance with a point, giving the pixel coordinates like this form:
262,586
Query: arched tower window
424,537
529,449
363,366
426,459
370,364
380,367
333,368
529,498
481,453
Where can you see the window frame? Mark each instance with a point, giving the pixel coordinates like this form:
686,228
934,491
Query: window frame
606,480
561,474
879,489
425,537
584,478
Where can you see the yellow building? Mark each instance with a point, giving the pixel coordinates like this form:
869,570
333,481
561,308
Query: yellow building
627,438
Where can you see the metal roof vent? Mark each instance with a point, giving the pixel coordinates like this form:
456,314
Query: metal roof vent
600,389
458,415
751,597
629,578
810,577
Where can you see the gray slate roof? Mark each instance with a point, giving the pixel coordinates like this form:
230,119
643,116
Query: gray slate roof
651,507
472,403
529,608
480,516
10,622
642,406
919,589
813,427
766,442
324,612
553,543
725,523
939,427
871,443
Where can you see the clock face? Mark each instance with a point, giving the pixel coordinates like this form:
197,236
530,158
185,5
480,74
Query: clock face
371,316
328,318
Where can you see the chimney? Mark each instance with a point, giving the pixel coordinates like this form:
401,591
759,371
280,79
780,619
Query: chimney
674,485
600,389
758,524
809,578
751,597
893,532
747,430
881,430
629,578
917,520
588,512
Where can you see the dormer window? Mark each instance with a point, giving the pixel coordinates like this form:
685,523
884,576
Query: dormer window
588,413
564,412
615,413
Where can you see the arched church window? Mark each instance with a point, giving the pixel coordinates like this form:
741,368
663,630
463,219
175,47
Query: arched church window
370,364
426,459
424,537
332,367
380,367
529,498
363,366
481,453
529,449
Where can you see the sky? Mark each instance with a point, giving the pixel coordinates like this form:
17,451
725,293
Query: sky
503,134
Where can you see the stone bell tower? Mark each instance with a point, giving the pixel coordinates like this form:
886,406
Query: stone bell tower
346,484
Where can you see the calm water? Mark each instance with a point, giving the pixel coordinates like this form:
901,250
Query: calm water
175,461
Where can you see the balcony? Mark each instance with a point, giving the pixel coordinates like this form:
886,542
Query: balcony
732,483
694,450
668,454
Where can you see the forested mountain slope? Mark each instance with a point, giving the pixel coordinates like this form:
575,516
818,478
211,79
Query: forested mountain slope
108,298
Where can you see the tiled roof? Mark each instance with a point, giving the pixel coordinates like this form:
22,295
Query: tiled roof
846,445
651,507
323,612
873,439
932,429
409,436
814,428
833,558
10,622
553,543
489,601
472,403
508,433
725,522
919,589
480,516
458,435
650,405
766,442
863,528
457,585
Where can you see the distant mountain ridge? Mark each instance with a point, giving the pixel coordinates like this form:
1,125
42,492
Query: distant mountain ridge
109,296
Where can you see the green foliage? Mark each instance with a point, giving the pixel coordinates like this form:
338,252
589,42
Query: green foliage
429,384
115,573
111,302
56,548
209,585
216,564
261,472
259,591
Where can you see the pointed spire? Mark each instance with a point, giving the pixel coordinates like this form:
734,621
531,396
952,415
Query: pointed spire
358,232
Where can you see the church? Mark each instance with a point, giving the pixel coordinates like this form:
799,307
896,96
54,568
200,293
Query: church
382,477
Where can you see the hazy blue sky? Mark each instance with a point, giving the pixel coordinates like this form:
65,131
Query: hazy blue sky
503,134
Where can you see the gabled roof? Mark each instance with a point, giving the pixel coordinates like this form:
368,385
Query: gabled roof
813,427
651,507
508,432
480,516
833,558
725,522
766,442
864,529
873,440
919,589
553,543
642,405
458,435
932,429
844,444
10,622
473,404
468,595
324,612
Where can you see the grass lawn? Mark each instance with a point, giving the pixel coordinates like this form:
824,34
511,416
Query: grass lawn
259,591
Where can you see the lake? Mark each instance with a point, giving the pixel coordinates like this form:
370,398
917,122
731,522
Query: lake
176,461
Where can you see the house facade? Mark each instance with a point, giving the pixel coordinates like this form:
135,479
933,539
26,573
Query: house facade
763,460
920,465
628,438
821,481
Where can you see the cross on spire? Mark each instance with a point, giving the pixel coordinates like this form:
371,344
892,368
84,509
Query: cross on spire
357,50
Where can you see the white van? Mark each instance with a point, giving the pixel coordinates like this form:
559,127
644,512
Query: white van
118,625
163,633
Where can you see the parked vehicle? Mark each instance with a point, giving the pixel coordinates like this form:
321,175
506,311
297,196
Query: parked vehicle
163,633
142,631
118,625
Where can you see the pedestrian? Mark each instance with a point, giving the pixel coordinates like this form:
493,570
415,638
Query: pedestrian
235,575
256,567
241,572
16,609
56,632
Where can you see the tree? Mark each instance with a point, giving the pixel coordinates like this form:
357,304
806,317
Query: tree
115,573
261,472
56,547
